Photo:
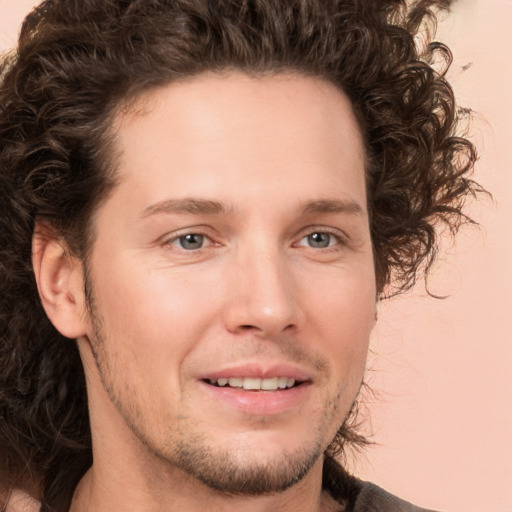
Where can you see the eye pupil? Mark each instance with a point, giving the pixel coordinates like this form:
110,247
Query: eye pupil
319,240
192,241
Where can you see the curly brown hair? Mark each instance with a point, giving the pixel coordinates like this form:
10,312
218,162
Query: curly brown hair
79,60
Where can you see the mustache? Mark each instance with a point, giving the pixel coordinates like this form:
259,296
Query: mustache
289,350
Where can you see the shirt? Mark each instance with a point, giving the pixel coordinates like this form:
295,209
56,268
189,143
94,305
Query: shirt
372,498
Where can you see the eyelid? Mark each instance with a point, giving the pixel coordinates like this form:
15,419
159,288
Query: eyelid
339,234
169,238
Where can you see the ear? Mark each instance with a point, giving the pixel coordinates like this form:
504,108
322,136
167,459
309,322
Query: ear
59,278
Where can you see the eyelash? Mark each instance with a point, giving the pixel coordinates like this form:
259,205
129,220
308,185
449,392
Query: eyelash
340,239
176,239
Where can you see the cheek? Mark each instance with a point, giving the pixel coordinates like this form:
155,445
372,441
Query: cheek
154,310
342,311
150,325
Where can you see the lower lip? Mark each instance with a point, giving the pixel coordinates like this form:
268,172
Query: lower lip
259,402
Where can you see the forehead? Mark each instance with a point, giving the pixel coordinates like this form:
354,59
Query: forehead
215,133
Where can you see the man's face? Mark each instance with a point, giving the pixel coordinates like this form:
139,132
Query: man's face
232,280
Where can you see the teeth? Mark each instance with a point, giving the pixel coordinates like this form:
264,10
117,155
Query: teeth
270,384
250,383
282,382
235,382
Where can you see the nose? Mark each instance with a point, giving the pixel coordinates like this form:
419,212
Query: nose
262,296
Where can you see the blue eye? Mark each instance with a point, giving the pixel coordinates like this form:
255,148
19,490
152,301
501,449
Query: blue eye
191,241
321,240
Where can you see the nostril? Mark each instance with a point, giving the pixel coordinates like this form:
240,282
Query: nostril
248,327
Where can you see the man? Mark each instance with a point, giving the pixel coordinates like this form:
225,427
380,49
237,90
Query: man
201,204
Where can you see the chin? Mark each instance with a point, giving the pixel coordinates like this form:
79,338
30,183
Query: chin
234,473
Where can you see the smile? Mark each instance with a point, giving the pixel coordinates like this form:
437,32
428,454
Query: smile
255,384
256,395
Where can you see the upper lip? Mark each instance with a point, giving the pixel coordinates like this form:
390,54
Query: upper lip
260,371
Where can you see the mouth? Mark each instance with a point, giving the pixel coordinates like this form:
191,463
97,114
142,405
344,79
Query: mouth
255,384
257,390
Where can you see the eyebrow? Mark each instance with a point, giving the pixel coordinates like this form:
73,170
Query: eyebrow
185,206
208,207
333,206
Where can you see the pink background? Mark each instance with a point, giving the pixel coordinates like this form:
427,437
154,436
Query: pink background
442,369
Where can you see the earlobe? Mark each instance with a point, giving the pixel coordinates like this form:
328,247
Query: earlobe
59,281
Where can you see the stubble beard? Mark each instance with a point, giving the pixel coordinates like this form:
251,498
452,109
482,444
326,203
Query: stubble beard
219,469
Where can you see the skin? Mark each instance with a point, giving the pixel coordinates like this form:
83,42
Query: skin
270,172
20,501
